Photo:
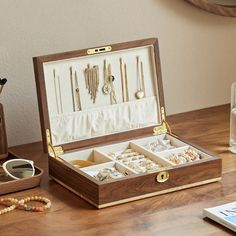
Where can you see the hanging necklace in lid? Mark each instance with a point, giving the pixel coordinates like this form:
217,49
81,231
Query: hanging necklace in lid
141,86
108,87
92,81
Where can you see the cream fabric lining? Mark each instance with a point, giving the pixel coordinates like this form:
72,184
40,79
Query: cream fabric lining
110,119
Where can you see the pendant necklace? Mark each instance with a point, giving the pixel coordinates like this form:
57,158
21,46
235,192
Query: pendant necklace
141,87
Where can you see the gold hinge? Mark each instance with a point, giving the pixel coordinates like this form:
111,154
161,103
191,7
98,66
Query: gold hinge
163,114
99,50
53,151
164,127
161,129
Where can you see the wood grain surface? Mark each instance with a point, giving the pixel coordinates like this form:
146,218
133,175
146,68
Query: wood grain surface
177,213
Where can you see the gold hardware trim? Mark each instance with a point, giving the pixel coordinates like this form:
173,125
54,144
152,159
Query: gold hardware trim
174,135
162,177
163,114
99,50
164,127
53,151
161,129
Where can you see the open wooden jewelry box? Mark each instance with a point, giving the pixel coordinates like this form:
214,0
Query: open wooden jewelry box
104,126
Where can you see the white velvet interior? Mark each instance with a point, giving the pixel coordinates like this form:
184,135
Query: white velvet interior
88,155
150,155
174,142
120,147
167,153
101,118
95,122
93,170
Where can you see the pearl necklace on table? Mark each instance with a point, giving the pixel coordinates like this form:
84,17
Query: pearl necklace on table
21,204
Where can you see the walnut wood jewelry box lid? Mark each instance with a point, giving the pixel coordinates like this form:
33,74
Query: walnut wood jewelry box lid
8,185
99,95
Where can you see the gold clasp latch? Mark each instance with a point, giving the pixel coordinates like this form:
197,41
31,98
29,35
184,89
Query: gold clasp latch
162,177
99,50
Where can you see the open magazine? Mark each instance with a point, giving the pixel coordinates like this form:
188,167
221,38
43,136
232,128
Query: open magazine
223,214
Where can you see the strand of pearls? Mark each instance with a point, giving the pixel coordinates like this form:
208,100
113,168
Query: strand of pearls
21,204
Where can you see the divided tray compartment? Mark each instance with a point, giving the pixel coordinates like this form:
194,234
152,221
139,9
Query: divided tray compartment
99,160
102,158
116,150
106,156
168,153
94,170
90,155
147,141
9,185
134,185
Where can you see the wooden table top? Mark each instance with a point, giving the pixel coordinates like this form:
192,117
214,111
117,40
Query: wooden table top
178,213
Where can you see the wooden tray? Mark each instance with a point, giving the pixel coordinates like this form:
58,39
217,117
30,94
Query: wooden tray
8,185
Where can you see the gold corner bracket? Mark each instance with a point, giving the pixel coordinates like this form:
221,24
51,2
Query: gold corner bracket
53,151
99,50
164,127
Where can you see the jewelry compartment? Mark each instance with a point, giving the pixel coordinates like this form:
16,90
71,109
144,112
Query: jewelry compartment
108,171
159,143
8,185
134,157
85,158
135,185
184,155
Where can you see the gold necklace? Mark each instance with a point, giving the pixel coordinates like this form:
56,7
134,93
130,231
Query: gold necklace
111,79
57,87
140,93
79,107
92,81
106,88
75,91
124,82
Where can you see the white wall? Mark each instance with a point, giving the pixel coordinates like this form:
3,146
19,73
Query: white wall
198,55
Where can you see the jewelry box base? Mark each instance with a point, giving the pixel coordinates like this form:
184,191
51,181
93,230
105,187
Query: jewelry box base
8,185
138,197
133,186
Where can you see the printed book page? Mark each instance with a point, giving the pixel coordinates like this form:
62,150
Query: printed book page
223,214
